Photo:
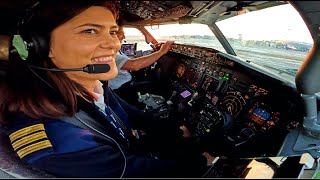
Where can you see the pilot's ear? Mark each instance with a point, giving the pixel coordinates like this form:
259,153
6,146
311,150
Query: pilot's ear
50,54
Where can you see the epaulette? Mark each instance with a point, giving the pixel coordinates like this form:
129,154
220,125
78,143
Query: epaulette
31,142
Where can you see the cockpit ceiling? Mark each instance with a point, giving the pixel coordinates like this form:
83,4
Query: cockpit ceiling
206,12
150,12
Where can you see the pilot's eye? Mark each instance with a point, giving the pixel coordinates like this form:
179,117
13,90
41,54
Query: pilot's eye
113,33
90,31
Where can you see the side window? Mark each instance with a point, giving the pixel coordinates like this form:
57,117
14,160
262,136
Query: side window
133,35
276,38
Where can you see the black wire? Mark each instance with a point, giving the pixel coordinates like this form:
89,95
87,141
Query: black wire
29,66
55,70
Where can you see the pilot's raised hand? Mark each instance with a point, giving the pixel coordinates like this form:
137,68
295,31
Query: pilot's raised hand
166,47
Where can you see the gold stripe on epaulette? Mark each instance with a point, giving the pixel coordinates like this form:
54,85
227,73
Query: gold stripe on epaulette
25,131
29,139
34,147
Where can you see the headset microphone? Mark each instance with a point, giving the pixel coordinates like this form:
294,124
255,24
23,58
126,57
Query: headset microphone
96,68
90,68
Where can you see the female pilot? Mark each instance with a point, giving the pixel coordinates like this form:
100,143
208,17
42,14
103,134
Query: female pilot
48,112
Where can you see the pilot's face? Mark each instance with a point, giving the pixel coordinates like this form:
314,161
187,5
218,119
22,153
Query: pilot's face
121,34
88,38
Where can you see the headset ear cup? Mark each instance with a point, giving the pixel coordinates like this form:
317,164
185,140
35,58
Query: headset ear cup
39,47
18,48
31,47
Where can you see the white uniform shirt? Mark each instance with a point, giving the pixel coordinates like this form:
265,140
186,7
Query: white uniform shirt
123,75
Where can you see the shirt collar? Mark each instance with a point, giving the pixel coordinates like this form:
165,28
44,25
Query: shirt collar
98,91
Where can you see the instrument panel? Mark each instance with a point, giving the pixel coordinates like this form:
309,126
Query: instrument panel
255,103
229,90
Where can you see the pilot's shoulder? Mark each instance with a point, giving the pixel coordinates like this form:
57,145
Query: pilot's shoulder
29,139
33,139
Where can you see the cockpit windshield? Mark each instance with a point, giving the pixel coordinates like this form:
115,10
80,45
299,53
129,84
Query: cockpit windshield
276,37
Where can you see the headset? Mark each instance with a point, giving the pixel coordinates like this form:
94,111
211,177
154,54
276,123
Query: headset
30,47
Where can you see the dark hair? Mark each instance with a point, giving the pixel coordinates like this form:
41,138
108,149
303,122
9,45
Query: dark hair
44,94
120,21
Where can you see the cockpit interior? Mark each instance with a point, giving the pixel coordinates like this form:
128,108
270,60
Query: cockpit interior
233,107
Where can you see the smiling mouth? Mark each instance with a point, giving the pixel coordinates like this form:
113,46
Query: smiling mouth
103,60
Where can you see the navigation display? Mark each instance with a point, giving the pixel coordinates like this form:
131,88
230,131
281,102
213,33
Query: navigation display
210,86
192,77
181,68
259,116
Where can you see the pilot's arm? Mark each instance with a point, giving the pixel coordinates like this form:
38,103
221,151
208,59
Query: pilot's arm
136,64
105,160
